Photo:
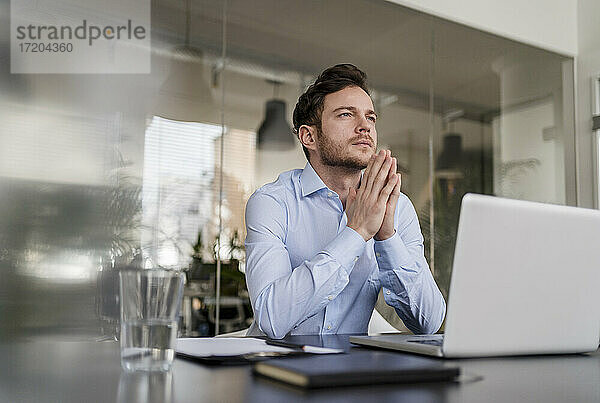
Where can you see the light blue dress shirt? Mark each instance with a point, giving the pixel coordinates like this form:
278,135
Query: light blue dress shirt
309,273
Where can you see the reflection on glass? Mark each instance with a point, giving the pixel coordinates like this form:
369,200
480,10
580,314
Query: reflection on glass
528,131
179,173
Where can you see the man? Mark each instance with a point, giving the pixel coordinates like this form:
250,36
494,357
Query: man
322,241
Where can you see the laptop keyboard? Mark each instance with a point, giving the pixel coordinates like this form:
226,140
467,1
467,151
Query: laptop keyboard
431,342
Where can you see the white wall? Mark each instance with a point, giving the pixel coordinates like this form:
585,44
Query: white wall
549,24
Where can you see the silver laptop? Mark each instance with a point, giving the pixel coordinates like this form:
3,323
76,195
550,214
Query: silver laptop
525,280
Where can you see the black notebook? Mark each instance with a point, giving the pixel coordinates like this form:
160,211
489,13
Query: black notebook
358,368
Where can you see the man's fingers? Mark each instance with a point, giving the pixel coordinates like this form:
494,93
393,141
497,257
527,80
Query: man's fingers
372,168
382,176
388,188
395,195
378,165
375,167
394,167
363,182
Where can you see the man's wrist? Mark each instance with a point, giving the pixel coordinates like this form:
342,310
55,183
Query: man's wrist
365,236
383,236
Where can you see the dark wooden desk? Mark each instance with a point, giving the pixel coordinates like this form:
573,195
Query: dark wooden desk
61,371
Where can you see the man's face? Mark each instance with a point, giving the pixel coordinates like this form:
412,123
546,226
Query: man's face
347,137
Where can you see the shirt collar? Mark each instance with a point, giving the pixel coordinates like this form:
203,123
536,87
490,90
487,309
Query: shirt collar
310,182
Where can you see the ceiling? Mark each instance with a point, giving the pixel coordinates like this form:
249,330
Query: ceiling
393,44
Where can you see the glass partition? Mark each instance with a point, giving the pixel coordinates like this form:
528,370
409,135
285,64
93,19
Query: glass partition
502,127
101,172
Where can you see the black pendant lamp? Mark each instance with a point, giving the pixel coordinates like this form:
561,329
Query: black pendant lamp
275,133
450,161
449,164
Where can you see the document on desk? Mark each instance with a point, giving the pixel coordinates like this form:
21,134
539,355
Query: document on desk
239,347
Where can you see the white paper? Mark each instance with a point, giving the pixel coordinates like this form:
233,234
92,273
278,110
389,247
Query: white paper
232,346
225,346
321,350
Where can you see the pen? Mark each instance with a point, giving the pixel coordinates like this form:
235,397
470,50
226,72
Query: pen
305,348
286,344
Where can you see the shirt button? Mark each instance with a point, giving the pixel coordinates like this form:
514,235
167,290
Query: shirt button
329,194
328,327
330,297
355,258
388,292
378,254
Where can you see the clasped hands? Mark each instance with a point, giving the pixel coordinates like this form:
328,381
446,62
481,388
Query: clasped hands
370,208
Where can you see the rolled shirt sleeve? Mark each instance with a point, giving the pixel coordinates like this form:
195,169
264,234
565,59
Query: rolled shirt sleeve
407,283
282,296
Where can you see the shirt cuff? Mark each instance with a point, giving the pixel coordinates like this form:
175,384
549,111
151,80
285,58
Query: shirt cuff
346,248
392,253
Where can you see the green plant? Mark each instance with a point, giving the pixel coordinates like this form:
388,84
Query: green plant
475,177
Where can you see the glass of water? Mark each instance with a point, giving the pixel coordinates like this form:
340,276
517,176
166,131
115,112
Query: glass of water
150,301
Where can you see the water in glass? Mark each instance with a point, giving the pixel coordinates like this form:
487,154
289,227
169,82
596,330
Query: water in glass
148,344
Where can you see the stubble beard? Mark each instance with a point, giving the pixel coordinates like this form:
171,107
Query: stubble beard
333,155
